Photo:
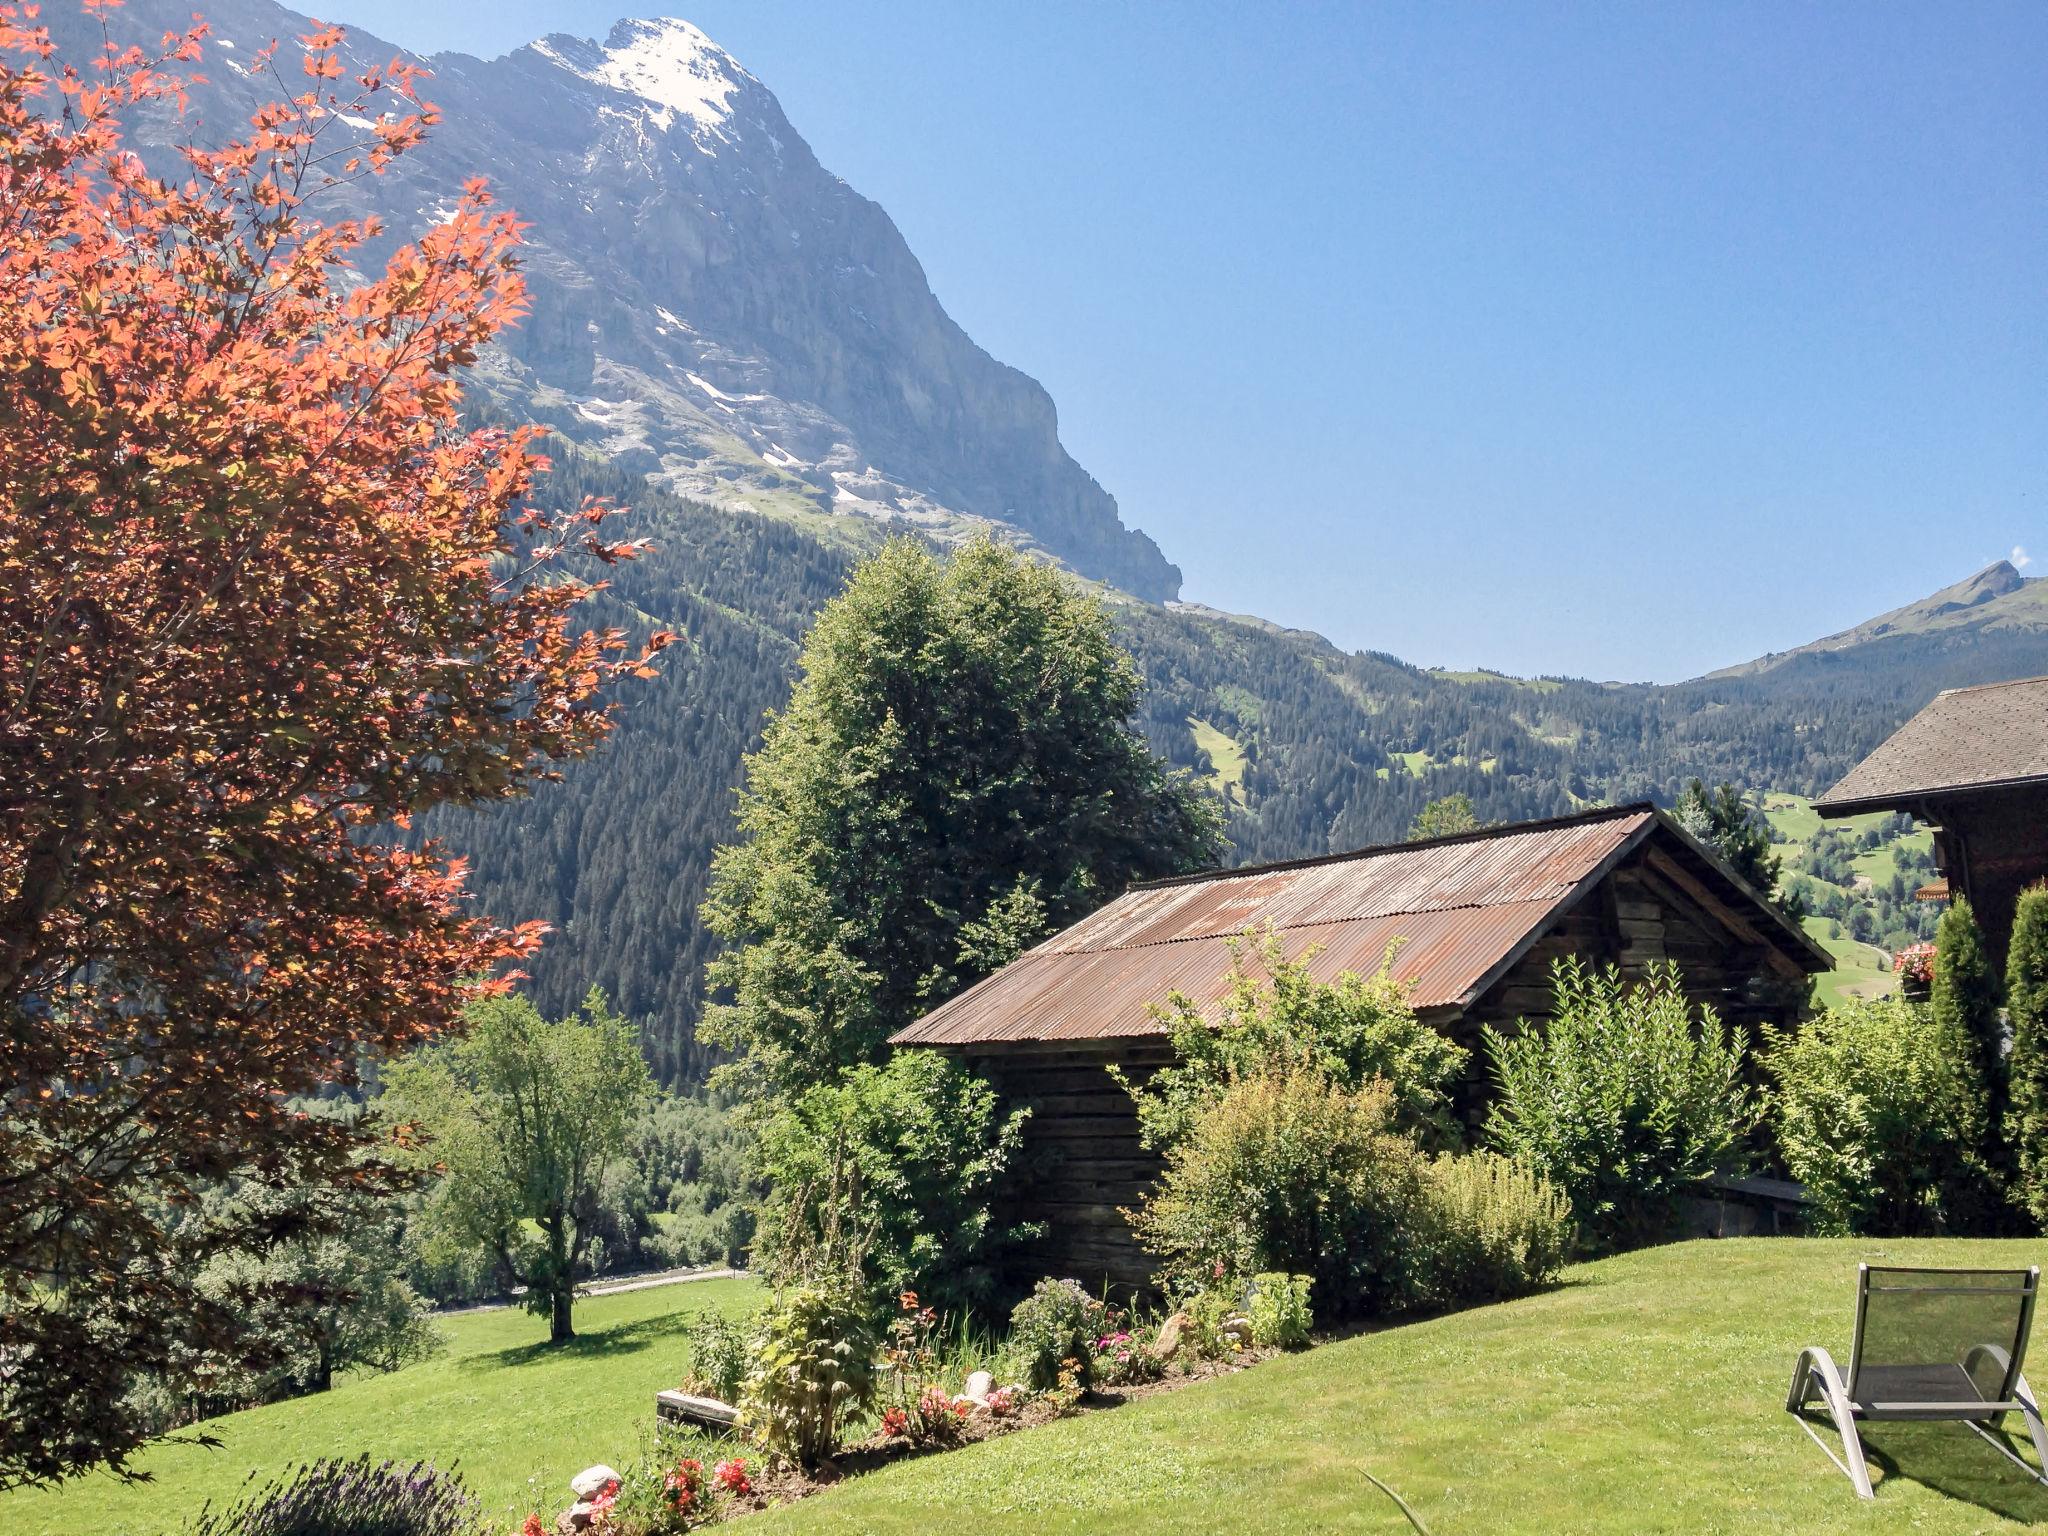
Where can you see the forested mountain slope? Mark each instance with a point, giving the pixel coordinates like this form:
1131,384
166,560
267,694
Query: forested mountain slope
1311,748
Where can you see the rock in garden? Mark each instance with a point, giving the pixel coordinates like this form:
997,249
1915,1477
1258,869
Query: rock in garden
1167,1344
978,1387
577,1516
693,1409
1239,1328
589,1483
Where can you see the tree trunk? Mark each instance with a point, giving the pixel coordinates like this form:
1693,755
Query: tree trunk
559,1330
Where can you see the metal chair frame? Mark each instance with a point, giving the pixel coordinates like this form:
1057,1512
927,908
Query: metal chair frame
1816,1376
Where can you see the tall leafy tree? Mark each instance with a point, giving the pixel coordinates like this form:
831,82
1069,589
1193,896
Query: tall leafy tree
1445,817
956,771
2026,1004
258,594
522,1118
1964,999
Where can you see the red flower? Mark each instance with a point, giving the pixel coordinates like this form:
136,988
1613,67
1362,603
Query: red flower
895,1422
732,1477
534,1526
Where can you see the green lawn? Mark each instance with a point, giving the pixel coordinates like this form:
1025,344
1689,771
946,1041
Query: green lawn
521,1418
1643,1395
1646,1395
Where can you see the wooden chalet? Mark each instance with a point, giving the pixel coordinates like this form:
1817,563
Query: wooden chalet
1973,765
1477,919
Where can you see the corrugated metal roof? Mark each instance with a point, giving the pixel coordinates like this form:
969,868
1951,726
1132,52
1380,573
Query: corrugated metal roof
1457,907
1968,738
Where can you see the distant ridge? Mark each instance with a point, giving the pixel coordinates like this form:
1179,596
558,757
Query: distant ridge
1997,597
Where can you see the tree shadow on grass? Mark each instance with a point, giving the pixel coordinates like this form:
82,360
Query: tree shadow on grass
603,1343
1950,1460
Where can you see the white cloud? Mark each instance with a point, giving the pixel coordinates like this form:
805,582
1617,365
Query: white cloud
2020,558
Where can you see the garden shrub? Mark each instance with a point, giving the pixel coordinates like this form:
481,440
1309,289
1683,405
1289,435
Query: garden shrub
1276,1017
1206,1312
352,1498
896,1168
1880,1114
1291,1171
1621,1099
1056,1325
1964,1001
2026,1002
1279,1310
1492,1228
1123,1356
668,1493
718,1353
813,1368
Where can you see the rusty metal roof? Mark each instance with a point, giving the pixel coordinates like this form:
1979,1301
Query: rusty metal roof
1462,909
1968,738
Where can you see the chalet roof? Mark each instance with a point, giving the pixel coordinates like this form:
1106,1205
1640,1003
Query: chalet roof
1968,738
1462,909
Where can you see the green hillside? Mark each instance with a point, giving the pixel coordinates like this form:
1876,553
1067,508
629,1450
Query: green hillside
1313,749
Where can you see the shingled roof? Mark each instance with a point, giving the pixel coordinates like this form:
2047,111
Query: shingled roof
1463,909
1968,738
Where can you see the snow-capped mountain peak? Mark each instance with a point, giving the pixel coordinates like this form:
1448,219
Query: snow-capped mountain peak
666,62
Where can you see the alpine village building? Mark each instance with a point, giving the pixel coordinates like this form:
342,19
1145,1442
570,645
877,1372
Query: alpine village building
1974,765
1474,922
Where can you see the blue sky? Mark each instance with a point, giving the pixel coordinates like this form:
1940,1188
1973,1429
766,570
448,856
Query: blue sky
1626,341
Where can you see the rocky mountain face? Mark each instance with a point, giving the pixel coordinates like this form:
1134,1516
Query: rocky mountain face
712,308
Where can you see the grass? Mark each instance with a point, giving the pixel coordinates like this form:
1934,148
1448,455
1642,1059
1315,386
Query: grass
1644,1395
520,1417
1860,970
1224,753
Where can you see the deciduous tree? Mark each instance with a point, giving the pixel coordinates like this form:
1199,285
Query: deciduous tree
956,771
521,1119
258,595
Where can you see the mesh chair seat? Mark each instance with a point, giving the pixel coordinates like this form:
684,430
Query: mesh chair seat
1881,1386
1929,1344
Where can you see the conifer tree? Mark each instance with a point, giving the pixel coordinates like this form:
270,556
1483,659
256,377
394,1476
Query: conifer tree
2026,993
1965,999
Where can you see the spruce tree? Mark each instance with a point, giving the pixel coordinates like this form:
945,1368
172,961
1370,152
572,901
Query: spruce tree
1965,999
2026,993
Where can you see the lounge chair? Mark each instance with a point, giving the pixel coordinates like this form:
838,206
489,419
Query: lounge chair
1929,1344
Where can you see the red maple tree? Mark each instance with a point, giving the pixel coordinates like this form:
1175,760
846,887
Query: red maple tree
260,594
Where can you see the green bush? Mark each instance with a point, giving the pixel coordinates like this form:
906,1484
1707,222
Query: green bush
2026,994
1279,1310
1880,1114
718,1353
1291,1171
1964,1001
1276,1017
1492,1228
1056,1324
813,1368
895,1170
1621,1099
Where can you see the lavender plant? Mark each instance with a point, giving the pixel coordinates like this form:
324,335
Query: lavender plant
353,1498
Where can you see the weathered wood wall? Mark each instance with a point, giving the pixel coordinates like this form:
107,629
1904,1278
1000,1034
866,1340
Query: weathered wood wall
1993,845
1083,1164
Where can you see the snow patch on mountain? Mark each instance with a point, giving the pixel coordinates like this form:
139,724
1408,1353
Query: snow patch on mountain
667,63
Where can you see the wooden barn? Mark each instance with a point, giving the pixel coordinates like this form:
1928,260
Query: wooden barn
1974,766
1479,918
